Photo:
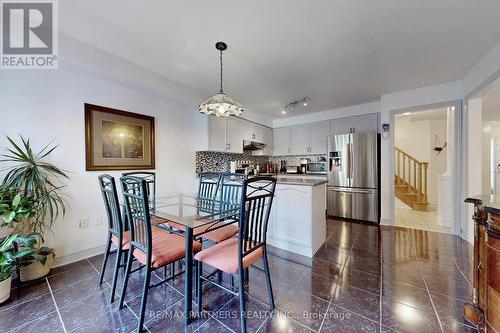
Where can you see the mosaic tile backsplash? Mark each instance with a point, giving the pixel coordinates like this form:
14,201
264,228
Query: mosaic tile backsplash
208,161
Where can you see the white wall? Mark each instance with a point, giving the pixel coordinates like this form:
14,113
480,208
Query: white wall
46,105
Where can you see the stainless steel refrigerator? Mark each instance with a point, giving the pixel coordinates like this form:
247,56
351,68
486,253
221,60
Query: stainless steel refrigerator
353,176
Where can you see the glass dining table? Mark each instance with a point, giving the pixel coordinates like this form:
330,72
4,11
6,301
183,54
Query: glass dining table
192,213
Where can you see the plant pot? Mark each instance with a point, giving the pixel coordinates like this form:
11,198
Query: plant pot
36,270
6,231
5,289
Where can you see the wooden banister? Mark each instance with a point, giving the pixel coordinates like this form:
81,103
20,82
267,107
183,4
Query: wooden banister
412,174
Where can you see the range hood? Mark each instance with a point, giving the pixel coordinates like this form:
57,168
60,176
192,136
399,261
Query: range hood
252,145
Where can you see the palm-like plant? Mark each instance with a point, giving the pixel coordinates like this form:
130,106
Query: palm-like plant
29,173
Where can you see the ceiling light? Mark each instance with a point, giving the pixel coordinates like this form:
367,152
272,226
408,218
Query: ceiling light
292,105
406,113
221,105
284,111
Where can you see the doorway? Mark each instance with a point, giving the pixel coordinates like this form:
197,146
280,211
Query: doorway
424,169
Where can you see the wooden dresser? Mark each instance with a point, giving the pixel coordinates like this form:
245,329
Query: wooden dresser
484,311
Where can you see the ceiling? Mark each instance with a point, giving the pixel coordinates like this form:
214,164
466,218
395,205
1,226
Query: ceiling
336,52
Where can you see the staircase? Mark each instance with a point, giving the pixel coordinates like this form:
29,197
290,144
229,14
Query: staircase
410,180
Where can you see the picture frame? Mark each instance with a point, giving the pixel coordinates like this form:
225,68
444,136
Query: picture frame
118,140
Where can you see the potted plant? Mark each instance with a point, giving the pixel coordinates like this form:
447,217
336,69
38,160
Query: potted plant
10,260
30,173
15,207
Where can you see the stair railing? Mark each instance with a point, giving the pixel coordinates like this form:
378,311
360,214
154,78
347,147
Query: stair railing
412,173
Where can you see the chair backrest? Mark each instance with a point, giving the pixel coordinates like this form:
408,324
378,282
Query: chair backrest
255,209
150,178
231,185
135,196
209,185
112,205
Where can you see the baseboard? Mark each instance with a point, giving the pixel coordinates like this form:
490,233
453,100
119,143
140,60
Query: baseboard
70,258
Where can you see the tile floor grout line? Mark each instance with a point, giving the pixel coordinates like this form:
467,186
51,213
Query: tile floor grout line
55,304
342,270
107,282
425,283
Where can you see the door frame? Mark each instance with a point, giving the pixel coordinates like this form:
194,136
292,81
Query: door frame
459,153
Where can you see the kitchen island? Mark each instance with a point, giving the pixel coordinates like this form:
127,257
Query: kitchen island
297,222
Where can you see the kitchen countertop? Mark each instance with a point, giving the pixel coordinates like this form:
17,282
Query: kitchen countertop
301,181
491,203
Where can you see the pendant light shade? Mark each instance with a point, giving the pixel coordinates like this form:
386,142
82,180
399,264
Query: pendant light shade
221,105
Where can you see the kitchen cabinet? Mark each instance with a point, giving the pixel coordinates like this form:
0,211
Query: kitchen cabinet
234,130
267,139
299,140
365,123
225,134
341,126
318,137
281,141
253,132
217,134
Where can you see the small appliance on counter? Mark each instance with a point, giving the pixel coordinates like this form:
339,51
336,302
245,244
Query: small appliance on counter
317,168
292,169
303,165
283,166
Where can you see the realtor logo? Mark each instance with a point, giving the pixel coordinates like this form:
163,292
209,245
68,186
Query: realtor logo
29,34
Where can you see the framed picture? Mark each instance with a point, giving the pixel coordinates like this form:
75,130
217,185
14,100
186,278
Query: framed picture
118,140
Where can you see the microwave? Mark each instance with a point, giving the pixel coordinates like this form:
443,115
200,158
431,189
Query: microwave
316,167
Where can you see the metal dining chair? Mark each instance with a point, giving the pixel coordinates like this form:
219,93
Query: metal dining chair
235,255
116,233
150,178
153,247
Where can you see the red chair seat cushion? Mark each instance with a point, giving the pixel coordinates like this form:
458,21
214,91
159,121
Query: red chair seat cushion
166,248
215,236
221,234
125,240
224,256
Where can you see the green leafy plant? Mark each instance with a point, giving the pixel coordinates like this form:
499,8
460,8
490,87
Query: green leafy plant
10,259
15,206
29,173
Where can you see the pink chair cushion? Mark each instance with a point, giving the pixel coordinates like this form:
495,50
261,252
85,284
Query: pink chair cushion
125,240
215,236
221,234
166,248
224,256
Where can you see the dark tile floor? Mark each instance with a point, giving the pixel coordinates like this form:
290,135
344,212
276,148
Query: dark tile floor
364,279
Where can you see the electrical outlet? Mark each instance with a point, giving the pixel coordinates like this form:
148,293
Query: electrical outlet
98,221
83,224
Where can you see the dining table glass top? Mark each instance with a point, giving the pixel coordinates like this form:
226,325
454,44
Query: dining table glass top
191,212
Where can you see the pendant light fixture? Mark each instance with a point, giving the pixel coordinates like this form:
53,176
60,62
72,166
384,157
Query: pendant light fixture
221,105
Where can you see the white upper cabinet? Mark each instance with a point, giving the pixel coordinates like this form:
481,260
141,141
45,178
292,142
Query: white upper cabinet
366,123
217,134
341,126
281,140
299,140
318,137
234,135
253,132
267,139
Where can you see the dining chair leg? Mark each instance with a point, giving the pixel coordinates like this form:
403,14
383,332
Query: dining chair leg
195,264
241,294
219,277
105,260
231,281
268,280
125,281
144,297
199,287
119,253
